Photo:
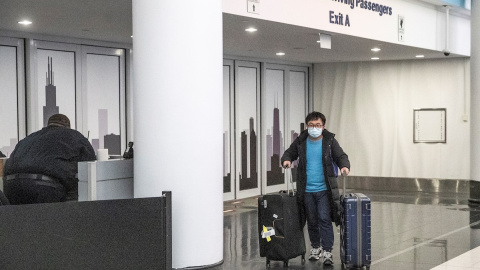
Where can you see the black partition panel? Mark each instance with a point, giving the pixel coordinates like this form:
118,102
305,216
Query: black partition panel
116,234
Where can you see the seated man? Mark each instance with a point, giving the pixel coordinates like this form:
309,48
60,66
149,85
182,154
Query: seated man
43,166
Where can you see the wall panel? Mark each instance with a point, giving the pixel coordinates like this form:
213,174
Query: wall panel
370,108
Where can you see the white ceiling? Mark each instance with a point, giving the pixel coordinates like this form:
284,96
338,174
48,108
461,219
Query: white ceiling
111,21
299,43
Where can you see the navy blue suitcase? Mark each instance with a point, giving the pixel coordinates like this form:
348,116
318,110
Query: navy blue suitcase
355,230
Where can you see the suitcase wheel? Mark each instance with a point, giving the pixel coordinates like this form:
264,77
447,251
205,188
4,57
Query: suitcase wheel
303,259
268,263
285,263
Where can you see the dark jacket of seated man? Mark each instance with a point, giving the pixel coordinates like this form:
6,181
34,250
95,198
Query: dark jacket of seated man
43,166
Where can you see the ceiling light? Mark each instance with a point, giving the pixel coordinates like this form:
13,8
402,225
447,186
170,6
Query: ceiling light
420,56
251,29
25,22
280,53
376,49
318,41
375,58
131,36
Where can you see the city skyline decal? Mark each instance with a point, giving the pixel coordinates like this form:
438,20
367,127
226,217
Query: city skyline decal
249,150
275,149
248,156
248,175
245,166
8,149
112,142
227,186
294,135
50,107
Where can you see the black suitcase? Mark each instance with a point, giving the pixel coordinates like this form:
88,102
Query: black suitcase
279,228
355,230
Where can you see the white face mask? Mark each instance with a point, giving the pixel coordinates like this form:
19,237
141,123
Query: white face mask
315,132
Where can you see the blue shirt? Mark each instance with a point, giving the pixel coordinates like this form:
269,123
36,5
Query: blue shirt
315,176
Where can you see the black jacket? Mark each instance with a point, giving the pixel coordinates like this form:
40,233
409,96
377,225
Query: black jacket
333,158
52,151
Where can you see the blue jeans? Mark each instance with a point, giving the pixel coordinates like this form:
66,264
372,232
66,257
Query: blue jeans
320,228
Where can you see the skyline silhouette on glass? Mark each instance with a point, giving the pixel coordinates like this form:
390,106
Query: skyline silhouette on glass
274,149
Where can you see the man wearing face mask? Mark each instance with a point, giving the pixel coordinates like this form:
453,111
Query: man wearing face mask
319,157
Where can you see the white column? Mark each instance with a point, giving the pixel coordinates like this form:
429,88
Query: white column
178,110
475,104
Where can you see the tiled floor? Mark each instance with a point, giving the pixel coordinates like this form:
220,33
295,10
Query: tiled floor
409,231
468,260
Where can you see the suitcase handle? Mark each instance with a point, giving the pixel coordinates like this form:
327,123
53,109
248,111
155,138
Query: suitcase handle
290,180
344,176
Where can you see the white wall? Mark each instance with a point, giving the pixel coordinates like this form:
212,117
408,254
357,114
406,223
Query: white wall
369,105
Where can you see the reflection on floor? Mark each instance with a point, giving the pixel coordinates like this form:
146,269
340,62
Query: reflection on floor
409,231
468,260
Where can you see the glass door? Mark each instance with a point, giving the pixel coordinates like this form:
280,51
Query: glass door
284,107
296,107
228,120
273,123
247,136
103,81
12,93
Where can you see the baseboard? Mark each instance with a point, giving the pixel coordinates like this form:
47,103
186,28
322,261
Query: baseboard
396,184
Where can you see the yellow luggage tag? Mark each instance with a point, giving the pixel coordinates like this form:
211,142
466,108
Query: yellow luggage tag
267,233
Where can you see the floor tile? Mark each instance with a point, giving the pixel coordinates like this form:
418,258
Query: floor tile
409,231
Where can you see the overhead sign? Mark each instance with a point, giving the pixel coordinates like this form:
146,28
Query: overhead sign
401,28
253,6
344,19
